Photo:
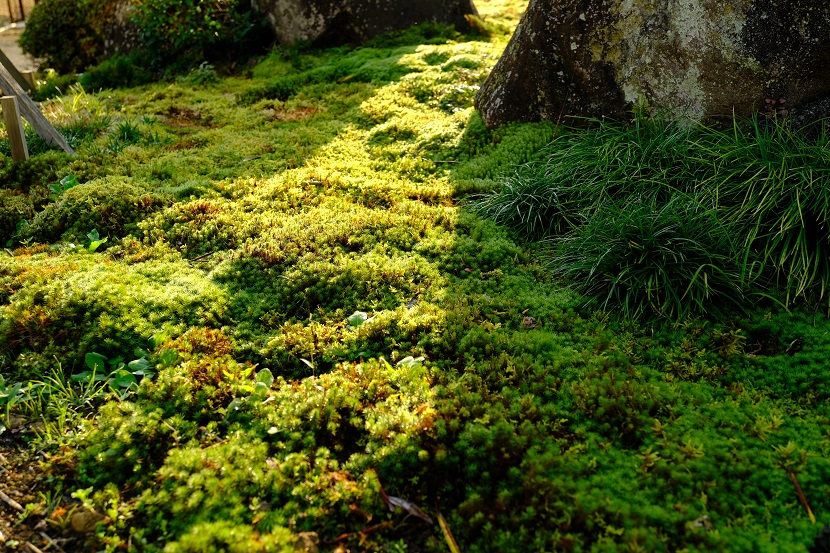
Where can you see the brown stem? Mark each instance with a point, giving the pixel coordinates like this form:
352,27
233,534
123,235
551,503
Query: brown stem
801,497
348,535
201,257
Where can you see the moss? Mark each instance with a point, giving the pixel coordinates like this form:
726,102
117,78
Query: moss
14,209
327,325
112,206
105,307
35,174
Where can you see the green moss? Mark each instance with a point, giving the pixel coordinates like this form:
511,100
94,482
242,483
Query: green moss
35,174
291,244
112,206
110,308
233,538
14,209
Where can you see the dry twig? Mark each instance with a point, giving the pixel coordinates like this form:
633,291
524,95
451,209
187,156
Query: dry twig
31,548
50,541
11,502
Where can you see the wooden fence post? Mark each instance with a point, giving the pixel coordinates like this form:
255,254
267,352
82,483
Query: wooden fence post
30,78
14,128
32,114
16,75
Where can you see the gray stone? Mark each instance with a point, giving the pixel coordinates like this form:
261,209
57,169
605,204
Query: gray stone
698,59
355,21
121,34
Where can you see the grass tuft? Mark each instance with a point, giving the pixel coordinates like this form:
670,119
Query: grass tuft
765,182
668,259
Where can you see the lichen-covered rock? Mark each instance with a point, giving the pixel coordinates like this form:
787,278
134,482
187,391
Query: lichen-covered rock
342,21
693,59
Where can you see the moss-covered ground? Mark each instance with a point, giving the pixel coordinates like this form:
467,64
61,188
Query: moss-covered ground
319,330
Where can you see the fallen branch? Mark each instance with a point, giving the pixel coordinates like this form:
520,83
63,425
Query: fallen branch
200,257
11,502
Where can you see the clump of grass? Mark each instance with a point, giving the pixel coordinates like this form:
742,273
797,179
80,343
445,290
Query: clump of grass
648,257
774,183
580,171
531,204
769,184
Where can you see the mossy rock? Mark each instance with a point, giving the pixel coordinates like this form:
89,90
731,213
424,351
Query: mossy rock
112,206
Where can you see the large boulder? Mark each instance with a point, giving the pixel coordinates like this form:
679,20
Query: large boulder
355,21
697,59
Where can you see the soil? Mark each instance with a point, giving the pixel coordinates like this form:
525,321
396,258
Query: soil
25,520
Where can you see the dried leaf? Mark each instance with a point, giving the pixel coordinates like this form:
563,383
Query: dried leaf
407,506
530,322
85,521
702,522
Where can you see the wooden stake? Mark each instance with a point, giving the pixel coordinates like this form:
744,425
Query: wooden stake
29,76
32,114
16,75
14,128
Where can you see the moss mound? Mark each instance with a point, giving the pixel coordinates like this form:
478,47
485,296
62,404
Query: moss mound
110,205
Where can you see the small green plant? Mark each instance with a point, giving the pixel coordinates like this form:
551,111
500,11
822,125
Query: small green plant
125,134
19,233
63,403
647,258
120,377
10,395
252,392
58,188
95,241
202,75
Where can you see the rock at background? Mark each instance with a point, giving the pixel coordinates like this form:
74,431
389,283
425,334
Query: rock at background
695,59
355,21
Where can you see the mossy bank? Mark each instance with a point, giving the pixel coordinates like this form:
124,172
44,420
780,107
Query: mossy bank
294,325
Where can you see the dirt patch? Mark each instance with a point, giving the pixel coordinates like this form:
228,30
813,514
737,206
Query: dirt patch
292,116
185,117
27,508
